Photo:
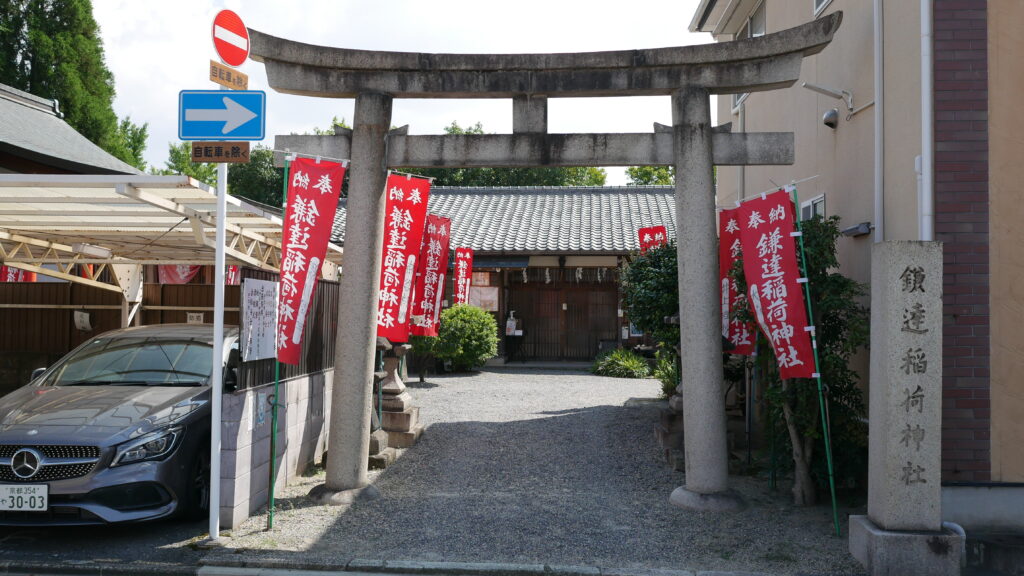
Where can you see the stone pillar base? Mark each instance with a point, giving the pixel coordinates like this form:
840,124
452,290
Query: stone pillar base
321,494
891,553
715,502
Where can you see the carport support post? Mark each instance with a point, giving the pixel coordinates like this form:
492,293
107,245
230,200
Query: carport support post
700,330
349,436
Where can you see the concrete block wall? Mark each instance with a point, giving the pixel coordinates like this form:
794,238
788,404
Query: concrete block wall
245,441
962,224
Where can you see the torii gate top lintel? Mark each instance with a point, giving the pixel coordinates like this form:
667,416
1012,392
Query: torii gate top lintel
768,62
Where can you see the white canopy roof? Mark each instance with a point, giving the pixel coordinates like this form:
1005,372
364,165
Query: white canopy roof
128,220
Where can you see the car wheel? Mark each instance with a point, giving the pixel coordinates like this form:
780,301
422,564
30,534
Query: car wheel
197,495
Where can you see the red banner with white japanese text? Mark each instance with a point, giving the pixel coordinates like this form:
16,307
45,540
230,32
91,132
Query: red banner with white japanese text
772,273
426,305
232,276
405,216
313,190
740,334
176,273
651,236
463,274
8,274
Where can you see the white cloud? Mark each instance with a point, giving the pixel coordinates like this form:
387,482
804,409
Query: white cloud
156,49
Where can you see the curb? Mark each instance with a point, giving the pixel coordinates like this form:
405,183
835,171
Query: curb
228,567
97,569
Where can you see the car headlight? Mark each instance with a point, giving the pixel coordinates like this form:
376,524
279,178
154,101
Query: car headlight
154,446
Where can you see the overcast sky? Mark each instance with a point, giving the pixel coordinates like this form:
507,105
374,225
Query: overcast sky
156,49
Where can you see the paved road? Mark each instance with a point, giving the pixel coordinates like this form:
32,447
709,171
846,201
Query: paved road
522,467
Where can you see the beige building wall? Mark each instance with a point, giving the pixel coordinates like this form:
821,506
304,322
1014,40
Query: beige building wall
1006,178
843,158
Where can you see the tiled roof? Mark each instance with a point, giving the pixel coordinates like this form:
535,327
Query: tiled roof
30,128
537,220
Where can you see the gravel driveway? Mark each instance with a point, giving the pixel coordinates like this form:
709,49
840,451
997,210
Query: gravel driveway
527,466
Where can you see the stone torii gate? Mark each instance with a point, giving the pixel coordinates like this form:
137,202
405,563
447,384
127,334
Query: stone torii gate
688,74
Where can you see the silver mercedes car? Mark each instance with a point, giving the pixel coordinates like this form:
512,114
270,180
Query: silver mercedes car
118,430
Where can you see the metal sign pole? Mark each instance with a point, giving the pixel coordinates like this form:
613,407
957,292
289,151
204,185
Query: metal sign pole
218,353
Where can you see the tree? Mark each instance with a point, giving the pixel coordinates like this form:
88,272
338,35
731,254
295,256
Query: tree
179,161
329,131
53,49
258,179
650,293
651,175
842,327
571,176
130,143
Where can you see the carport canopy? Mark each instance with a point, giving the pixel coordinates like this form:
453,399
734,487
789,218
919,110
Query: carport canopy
120,222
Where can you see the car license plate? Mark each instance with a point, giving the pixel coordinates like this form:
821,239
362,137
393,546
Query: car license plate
24,497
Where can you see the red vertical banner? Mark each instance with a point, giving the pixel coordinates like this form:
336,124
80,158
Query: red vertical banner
426,306
773,281
313,190
651,236
405,215
232,277
463,274
741,334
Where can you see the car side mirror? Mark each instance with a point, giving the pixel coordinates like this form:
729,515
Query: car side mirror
37,373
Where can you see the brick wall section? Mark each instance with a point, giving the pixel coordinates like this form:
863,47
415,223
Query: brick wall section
962,223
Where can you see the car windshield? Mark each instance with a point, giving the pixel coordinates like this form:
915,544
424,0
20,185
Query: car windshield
135,362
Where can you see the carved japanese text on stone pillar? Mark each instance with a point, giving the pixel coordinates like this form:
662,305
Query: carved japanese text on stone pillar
906,386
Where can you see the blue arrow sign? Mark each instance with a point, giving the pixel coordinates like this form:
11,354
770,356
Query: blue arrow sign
222,114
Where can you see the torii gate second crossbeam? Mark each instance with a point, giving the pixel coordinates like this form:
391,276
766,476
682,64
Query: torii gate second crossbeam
688,74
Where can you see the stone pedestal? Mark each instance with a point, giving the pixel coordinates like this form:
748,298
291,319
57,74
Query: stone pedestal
902,533
904,553
400,419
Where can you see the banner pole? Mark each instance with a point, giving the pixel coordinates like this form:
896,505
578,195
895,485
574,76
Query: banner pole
277,379
817,366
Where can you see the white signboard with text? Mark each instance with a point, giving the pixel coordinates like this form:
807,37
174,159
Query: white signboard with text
259,319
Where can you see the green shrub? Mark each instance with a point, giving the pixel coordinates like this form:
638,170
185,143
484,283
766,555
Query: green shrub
650,292
621,363
468,337
666,369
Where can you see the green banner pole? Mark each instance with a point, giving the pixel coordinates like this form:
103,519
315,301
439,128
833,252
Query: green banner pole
277,387
817,366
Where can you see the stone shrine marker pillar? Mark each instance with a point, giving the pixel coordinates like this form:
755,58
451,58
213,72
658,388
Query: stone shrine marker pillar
902,533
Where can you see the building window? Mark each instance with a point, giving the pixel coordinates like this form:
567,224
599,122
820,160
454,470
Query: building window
820,5
813,207
754,27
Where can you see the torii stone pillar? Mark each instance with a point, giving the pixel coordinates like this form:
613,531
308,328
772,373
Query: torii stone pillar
688,74
707,470
353,368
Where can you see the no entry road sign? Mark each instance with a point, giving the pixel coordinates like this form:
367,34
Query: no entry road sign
230,38
221,114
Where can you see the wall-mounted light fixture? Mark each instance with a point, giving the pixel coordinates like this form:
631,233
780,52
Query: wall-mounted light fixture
861,229
843,95
91,250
